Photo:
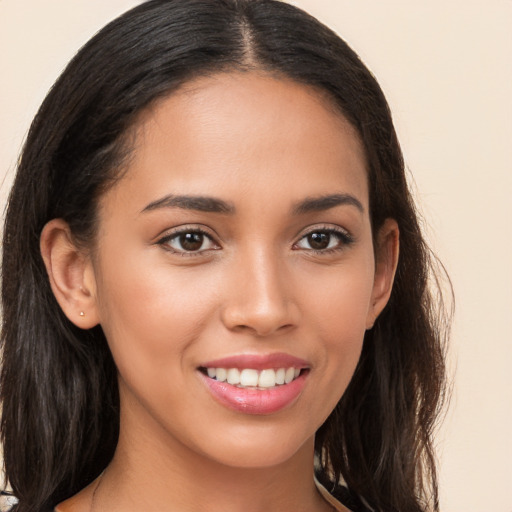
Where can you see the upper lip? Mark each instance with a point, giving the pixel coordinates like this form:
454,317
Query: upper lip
257,361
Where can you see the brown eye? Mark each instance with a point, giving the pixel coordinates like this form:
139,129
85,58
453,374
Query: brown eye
324,240
319,241
189,242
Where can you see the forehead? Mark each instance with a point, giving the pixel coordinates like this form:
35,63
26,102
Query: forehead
238,133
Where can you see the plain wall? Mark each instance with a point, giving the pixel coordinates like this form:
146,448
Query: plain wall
446,69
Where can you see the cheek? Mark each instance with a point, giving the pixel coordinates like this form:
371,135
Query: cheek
341,299
150,315
338,313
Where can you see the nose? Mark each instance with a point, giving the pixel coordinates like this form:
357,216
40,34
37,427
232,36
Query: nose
259,298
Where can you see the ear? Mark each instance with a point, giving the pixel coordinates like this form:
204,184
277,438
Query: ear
386,260
71,274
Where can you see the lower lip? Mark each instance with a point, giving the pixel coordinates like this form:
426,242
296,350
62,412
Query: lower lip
255,401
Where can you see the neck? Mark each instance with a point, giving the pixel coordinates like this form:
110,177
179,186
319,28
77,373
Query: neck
136,483
156,473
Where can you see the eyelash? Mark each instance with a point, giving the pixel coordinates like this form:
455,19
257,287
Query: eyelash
344,239
165,241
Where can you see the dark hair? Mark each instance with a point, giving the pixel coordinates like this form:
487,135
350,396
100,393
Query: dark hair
59,390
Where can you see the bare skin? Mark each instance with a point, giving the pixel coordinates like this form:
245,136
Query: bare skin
273,268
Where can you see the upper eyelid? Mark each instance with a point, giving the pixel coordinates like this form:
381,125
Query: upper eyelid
178,230
324,227
166,237
344,236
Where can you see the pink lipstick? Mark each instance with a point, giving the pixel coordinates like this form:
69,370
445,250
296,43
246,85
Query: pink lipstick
255,384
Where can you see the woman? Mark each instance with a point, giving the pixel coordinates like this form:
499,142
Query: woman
213,275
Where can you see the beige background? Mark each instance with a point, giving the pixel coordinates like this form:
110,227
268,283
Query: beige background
445,66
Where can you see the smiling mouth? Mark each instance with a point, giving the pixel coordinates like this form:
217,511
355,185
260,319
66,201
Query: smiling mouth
249,378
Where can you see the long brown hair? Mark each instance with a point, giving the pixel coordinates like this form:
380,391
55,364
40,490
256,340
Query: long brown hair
58,383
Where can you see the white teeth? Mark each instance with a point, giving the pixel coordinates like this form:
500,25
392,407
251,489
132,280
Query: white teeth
233,376
221,374
250,378
289,375
267,379
280,376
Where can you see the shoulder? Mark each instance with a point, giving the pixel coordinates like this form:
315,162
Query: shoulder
78,503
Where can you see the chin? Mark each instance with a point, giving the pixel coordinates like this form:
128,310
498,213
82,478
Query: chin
260,450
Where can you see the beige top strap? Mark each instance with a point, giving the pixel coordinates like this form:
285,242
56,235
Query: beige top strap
329,498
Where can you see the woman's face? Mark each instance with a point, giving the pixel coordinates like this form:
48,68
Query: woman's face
235,254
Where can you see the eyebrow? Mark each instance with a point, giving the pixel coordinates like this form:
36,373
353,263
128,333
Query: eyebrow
321,203
199,203
214,205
